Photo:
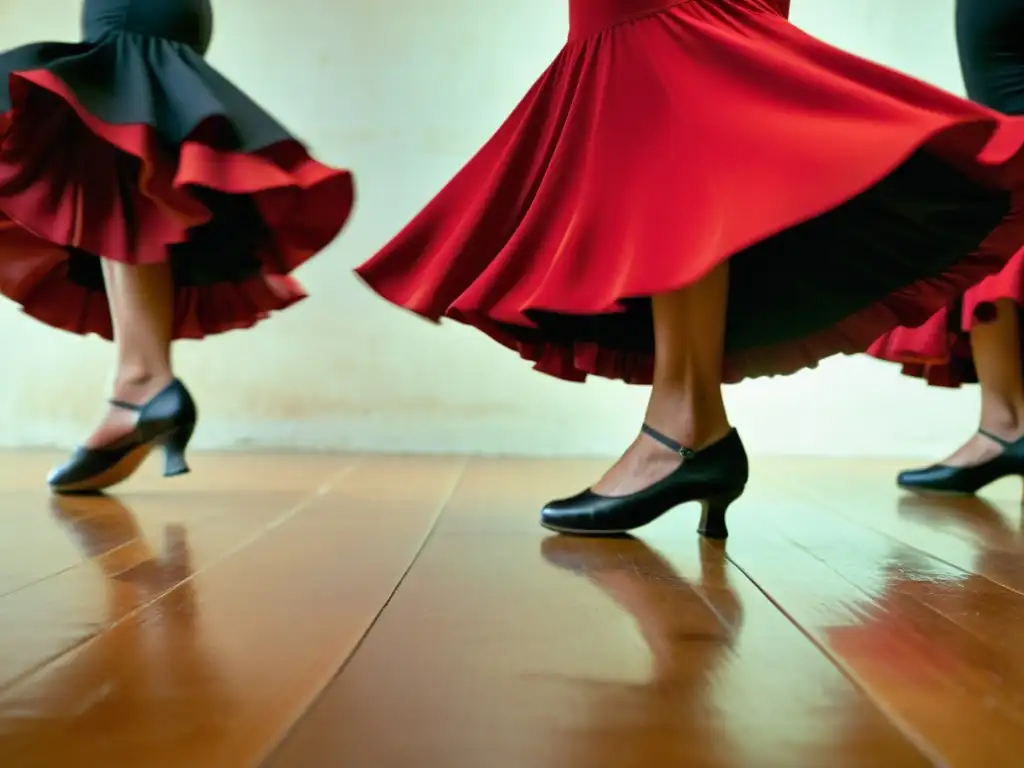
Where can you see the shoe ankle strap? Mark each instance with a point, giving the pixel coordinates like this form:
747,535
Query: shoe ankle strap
125,405
668,442
995,438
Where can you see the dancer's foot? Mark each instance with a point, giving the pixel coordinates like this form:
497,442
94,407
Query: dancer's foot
715,475
687,451
118,422
167,419
644,463
982,460
982,446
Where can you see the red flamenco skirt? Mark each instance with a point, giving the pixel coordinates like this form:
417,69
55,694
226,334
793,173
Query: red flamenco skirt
670,137
133,149
940,350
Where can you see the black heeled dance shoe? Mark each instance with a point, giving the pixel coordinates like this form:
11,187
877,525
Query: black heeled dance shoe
167,420
715,476
966,481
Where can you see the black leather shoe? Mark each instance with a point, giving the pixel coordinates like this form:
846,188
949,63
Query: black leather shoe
167,420
715,476
966,481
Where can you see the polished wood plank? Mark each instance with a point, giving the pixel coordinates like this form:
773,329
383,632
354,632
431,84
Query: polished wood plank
935,645
504,647
54,599
205,619
32,548
211,471
202,621
978,534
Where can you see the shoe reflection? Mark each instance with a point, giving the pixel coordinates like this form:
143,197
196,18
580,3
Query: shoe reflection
984,521
942,645
690,629
992,530
107,533
97,524
143,680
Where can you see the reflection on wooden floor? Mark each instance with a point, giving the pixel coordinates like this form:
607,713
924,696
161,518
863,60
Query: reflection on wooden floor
334,611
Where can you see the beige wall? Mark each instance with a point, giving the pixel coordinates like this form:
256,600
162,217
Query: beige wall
403,92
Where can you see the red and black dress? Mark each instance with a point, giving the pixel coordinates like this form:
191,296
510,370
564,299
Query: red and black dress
669,137
129,146
990,38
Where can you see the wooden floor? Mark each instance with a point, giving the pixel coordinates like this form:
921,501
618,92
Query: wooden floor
379,612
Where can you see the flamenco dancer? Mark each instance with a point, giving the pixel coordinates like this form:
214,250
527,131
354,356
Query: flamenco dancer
144,198
977,340
695,193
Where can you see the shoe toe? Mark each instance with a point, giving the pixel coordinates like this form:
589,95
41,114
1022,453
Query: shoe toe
912,476
555,512
568,509
58,475
938,478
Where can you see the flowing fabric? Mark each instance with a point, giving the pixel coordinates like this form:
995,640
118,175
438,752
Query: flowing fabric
990,36
130,147
667,138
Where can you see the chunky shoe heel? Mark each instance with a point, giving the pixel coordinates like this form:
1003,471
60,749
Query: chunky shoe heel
715,475
712,515
167,420
175,446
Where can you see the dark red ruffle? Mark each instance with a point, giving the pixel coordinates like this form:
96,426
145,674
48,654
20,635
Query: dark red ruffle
68,179
939,351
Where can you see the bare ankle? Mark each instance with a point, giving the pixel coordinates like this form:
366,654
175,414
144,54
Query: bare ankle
132,384
1006,419
691,430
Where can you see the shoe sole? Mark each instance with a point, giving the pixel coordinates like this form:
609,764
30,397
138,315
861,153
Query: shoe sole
118,473
578,532
930,492
609,534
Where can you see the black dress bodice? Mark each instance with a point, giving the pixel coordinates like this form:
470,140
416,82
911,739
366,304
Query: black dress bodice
189,22
990,39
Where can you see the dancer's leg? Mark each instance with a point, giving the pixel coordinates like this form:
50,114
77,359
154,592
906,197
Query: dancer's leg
996,348
141,302
686,399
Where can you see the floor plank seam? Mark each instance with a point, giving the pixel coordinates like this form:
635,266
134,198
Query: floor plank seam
288,729
813,498
41,579
916,739
288,514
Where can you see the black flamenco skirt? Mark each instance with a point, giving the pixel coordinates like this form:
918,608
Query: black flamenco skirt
132,148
